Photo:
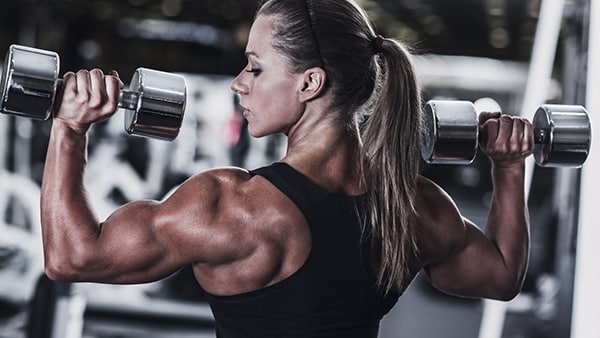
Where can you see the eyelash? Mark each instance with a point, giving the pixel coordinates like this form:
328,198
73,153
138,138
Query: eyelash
254,71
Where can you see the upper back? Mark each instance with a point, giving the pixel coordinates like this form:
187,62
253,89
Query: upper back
332,291
250,235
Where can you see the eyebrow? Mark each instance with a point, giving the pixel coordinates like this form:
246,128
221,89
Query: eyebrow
250,53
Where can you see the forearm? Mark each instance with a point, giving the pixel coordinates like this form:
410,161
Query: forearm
69,225
508,221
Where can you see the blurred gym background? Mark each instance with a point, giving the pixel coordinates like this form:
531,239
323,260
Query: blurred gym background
478,50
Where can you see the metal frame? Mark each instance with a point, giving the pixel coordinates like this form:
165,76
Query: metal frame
586,296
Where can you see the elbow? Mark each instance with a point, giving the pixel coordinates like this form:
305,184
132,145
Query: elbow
507,295
58,274
65,269
508,282
509,289
61,271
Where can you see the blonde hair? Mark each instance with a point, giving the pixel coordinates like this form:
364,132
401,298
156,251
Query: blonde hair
337,36
391,155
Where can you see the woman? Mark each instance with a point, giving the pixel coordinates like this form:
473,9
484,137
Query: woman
323,242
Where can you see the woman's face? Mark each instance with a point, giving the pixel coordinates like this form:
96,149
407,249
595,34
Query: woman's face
268,90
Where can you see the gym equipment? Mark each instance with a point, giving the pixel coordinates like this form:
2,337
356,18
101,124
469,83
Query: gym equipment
154,105
450,134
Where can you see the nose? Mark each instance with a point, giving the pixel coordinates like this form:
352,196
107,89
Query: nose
237,85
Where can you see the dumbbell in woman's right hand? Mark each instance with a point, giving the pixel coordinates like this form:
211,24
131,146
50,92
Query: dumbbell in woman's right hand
154,105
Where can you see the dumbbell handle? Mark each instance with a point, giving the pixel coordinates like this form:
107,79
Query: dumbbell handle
127,99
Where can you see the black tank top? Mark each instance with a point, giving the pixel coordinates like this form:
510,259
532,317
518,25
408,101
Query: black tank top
332,295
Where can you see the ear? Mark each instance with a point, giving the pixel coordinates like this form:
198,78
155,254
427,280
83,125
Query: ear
312,83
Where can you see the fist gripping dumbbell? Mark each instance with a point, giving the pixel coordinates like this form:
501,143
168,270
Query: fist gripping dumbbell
450,134
154,104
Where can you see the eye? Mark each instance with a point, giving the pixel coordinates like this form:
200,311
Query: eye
255,71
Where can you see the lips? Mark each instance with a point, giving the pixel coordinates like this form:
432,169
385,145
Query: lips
246,111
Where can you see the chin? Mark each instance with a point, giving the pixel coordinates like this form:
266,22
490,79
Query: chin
262,132
257,133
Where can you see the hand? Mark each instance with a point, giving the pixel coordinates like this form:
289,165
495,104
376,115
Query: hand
87,97
505,139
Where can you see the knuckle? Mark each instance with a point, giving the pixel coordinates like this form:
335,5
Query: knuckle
506,119
97,71
502,148
83,72
69,75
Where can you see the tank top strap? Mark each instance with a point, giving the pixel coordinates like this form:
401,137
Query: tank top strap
307,196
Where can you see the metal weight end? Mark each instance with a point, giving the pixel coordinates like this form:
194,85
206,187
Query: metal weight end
450,132
428,133
160,106
562,135
29,82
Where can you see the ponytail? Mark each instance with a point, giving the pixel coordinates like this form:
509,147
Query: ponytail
391,148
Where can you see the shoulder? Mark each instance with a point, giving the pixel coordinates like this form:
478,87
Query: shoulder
238,211
232,185
224,193
433,202
441,227
218,185
240,221
225,177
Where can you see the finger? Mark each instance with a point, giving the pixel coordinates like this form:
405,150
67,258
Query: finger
115,74
528,137
517,136
489,132
83,85
484,116
113,88
98,93
505,129
69,87
70,81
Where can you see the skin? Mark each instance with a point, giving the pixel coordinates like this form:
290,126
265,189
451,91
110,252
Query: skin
218,220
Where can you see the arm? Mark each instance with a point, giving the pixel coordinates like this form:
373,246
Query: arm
141,241
492,263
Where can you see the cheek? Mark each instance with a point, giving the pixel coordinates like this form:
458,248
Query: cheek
275,116
275,110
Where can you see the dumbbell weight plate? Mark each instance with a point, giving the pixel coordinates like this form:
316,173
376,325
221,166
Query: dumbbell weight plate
29,82
450,132
160,107
562,135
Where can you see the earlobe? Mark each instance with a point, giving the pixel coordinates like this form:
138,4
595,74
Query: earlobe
313,83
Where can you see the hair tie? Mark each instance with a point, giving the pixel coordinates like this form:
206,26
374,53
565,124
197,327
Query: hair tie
378,44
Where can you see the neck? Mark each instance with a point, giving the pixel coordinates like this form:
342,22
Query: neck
327,151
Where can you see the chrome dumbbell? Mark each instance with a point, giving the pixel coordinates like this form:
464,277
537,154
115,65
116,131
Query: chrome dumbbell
154,104
450,134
